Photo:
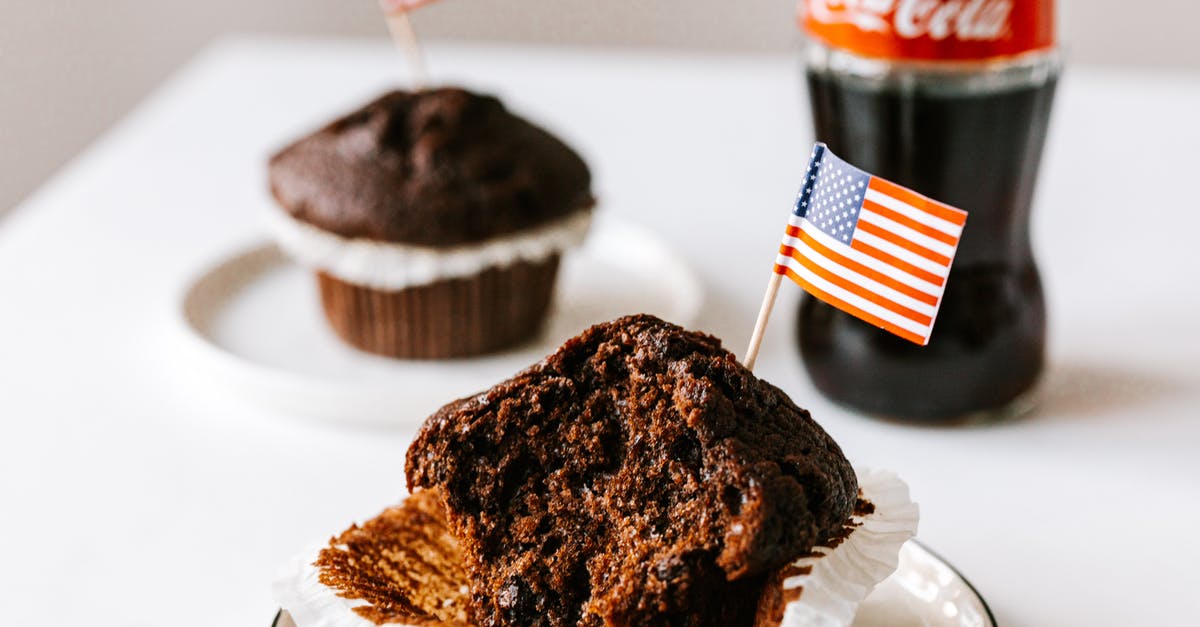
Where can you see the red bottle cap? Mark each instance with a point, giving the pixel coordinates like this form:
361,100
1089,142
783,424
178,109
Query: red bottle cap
931,30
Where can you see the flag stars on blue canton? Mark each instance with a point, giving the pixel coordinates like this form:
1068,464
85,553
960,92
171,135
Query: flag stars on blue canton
833,192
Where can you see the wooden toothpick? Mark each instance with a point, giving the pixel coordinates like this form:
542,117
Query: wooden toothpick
764,314
405,38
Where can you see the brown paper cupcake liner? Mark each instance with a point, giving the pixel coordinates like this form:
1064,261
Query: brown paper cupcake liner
495,309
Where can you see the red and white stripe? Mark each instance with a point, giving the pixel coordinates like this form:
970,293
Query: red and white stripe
893,272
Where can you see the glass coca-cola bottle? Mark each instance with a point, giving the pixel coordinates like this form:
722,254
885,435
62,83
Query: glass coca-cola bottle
950,98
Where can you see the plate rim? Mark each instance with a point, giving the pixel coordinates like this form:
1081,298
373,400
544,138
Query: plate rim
982,601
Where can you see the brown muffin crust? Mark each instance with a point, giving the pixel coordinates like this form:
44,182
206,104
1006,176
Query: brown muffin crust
433,168
638,476
404,563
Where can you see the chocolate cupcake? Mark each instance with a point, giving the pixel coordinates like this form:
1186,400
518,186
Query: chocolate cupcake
664,483
637,477
435,221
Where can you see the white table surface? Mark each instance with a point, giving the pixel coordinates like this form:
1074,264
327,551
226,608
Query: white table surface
134,492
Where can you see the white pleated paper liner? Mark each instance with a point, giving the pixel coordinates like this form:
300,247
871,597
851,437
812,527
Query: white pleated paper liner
393,266
837,580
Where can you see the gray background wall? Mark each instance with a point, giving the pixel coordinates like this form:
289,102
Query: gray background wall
69,69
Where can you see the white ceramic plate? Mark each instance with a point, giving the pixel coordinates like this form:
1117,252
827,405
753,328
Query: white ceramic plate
253,323
925,591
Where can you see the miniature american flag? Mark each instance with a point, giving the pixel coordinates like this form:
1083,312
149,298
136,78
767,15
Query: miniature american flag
876,250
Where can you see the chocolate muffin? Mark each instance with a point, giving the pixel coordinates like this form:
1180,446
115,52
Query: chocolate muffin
637,476
434,220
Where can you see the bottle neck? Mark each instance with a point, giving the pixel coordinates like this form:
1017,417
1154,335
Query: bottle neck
959,77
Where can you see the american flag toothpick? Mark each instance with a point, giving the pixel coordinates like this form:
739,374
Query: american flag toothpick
873,249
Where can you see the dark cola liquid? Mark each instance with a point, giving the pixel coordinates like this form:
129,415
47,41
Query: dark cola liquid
974,148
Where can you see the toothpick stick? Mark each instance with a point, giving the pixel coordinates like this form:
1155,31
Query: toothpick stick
405,38
764,314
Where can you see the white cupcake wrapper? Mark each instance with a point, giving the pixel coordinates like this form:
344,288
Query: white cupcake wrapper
842,577
393,266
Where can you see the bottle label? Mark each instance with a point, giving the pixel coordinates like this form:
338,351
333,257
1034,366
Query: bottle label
931,30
